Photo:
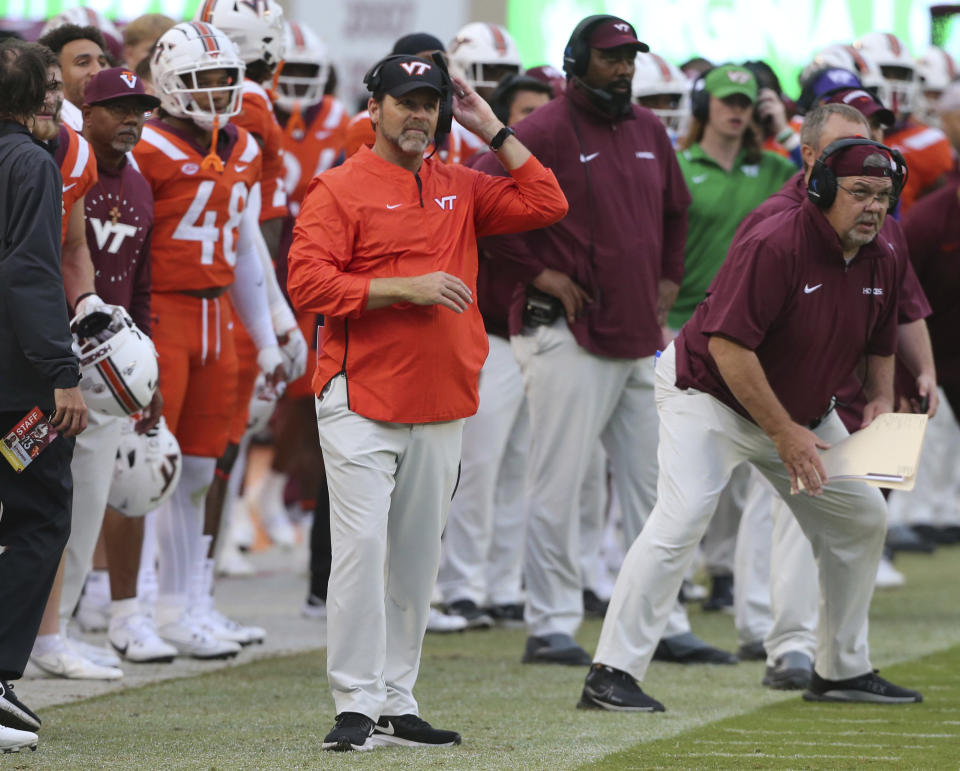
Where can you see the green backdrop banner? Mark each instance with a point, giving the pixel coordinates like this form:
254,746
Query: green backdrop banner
785,33
123,10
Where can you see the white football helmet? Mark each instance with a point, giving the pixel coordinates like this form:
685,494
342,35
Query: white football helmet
897,67
654,76
936,70
262,404
305,49
255,26
484,53
855,60
146,470
118,362
182,52
84,16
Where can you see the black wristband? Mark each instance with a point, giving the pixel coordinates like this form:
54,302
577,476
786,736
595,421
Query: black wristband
500,137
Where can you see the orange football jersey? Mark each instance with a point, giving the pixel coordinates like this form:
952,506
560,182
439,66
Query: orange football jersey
929,158
78,167
197,211
256,116
313,148
461,144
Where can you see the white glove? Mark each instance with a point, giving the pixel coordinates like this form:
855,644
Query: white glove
294,353
268,359
90,304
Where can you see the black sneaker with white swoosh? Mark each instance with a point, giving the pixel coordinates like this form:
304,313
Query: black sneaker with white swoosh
869,689
410,731
351,732
616,691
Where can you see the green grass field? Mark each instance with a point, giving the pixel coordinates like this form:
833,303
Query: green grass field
273,714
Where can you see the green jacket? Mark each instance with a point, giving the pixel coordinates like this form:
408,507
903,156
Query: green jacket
721,200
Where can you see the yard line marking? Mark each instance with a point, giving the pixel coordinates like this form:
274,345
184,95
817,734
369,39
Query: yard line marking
841,733
819,744
782,757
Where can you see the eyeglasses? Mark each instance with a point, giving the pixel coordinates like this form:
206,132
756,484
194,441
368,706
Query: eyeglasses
864,196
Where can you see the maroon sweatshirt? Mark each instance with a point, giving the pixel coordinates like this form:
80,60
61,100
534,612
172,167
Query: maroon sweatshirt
932,228
120,249
627,224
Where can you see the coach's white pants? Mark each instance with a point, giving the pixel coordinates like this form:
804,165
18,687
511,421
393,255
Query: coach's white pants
576,398
776,593
92,469
483,541
719,543
390,487
701,442
934,500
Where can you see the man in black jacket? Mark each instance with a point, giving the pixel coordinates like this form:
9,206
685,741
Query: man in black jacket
37,369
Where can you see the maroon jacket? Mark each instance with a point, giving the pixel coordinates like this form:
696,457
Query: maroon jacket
932,228
627,224
786,293
121,251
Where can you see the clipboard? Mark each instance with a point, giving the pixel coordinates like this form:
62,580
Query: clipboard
884,454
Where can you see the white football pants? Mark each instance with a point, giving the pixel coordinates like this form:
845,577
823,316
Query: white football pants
390,487
92,468
576,398
483,540
701,442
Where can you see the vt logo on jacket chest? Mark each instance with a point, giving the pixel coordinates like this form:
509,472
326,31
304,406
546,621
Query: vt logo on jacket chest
446,202
103,229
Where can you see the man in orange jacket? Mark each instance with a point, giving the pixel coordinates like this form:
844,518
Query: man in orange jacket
386,248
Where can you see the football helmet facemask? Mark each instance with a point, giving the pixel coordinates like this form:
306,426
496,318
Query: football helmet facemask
484,53
306,52
255,27
656,77
898,69
179,57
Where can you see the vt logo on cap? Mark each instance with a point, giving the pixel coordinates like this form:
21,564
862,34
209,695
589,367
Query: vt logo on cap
622,27
739,76
129,78
415,68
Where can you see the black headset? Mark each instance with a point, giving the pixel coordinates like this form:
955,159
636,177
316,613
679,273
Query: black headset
374,82
576,56
700,97
822,187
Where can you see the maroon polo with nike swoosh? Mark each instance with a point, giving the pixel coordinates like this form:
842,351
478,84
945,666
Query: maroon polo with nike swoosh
627,224
786,293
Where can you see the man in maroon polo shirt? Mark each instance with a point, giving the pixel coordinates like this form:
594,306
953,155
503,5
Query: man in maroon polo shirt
586,323
751,377
780,611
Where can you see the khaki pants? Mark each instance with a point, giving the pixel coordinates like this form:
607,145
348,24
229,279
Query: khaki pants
390,488
701,442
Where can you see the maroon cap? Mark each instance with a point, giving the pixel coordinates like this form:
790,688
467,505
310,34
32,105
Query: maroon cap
117,83
549,75
615,33
849,162
863,101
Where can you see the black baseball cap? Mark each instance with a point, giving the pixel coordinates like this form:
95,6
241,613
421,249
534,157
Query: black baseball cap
397,75
417,42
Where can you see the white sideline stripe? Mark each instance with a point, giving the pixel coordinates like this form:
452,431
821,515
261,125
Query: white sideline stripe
818,744
798,756
164,145
841,733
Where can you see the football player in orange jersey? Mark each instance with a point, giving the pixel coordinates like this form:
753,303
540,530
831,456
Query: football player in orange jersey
926,149
257,30
205,175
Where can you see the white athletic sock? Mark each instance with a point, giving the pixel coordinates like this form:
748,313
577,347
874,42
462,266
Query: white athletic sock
180,526
47,643
270,496
121,609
